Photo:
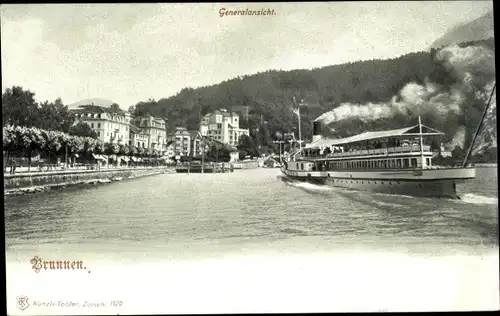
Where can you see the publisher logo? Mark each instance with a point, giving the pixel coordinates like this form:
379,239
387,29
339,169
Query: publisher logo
22,302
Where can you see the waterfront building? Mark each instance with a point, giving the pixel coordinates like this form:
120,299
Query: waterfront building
156,130
181,139
121,127
111,126
444,152
222,126
138,137
170,152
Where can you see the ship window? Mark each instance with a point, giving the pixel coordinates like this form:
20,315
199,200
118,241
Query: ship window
406,163
428,161
392,163
385,163
398,163
413,162
302,166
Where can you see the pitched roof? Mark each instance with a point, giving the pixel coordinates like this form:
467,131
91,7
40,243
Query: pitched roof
137,130
97,109
219,143
194,134
407,131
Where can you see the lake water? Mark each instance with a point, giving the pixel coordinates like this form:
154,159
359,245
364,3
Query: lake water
250,242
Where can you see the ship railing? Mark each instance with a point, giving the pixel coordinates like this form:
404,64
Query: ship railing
380,151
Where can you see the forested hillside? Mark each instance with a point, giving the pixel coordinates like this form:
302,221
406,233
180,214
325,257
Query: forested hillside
269,94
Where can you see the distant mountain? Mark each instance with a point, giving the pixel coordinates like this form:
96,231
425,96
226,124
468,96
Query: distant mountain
478,29
95,101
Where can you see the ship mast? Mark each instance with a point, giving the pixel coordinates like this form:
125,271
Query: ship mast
479,126
298,115
421,143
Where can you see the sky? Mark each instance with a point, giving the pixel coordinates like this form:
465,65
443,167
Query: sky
132,52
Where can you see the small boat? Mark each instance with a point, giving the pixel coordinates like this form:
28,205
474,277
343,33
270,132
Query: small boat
247,164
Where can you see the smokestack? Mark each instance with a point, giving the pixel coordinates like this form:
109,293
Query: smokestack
317,131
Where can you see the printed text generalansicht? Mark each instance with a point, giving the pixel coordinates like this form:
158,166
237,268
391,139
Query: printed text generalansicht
225,12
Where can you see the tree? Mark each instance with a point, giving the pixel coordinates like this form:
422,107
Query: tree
247,144
19,107
82,129
111,149
115,107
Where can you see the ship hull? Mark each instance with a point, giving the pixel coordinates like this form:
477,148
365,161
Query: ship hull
423,183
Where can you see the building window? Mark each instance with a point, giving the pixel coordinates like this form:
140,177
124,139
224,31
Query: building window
413,162
98,134
398,163
98,125
92,125
428,161
406,163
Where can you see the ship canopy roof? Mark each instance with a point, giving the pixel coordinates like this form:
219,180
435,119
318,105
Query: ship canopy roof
411,131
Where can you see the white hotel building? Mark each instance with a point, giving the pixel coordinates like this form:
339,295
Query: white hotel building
121,127
223,127
110,126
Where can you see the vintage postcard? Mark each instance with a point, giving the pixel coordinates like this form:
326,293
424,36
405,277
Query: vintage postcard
186,158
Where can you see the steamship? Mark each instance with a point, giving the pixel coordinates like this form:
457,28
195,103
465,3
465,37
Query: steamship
392,161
